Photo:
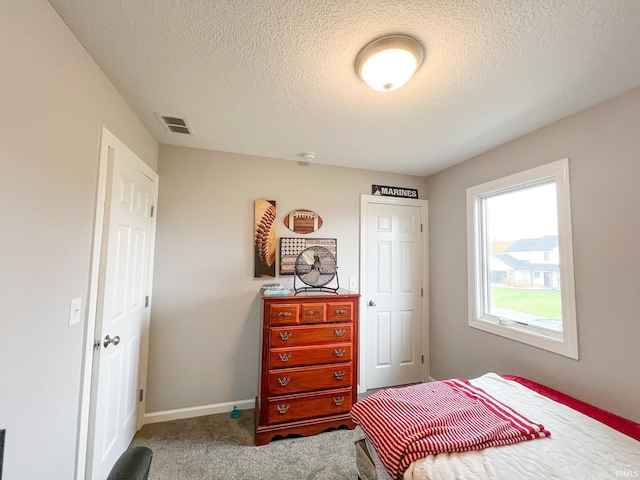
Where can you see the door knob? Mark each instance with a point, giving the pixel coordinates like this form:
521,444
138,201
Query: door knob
372,303
108,340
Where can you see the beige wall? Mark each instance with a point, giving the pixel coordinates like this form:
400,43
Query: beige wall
205,326
603,146
54,102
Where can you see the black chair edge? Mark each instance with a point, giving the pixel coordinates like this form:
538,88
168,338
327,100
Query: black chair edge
133,464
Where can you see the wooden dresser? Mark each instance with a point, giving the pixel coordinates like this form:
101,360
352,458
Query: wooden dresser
308,379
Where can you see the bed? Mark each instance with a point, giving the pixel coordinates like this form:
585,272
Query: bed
570,439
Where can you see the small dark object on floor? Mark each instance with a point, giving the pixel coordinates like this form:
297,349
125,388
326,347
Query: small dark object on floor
133,464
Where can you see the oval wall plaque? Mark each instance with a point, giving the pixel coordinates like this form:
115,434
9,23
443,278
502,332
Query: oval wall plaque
303,221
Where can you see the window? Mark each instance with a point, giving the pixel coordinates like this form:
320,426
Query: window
520,258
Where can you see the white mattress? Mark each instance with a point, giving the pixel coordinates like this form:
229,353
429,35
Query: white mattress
579,447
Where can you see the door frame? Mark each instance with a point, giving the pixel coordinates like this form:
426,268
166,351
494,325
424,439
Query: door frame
108,141
365,201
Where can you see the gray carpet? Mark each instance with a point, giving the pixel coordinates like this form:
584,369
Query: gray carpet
218,447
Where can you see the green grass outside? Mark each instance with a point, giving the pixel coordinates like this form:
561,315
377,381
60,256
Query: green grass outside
541,303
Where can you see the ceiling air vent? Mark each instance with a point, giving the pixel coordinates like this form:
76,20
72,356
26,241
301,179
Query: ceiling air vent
174,124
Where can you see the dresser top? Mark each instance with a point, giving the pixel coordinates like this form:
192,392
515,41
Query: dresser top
341,293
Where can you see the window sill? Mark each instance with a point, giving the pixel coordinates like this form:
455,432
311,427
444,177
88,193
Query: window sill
530,336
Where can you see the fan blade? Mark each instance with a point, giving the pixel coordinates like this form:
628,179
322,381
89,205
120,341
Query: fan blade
312,277
308,257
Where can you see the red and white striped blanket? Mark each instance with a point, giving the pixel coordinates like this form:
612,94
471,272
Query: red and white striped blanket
409,423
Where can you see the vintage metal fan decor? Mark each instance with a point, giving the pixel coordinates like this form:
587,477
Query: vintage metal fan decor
316,267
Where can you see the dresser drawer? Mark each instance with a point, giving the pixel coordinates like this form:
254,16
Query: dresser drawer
284,313
300,356
310,335
307,379
297,407
340,312
313,312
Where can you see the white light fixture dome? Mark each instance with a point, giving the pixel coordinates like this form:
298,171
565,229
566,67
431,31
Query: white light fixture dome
389,62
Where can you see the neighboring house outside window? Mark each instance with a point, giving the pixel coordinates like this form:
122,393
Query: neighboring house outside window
528,262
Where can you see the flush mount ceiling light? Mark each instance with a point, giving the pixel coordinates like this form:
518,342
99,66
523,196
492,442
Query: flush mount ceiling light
388,62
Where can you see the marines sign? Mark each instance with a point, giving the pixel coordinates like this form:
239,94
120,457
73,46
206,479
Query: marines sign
387,191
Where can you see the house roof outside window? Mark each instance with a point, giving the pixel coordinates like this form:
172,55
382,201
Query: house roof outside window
541,244
516,264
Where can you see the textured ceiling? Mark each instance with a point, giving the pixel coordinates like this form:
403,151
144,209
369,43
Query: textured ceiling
275,78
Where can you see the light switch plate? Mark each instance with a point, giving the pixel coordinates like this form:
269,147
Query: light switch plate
75,311
353,284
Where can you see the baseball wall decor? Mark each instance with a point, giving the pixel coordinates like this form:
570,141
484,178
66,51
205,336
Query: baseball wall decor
264,237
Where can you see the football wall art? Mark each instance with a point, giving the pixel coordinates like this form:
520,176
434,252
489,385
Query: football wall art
303,221
264,238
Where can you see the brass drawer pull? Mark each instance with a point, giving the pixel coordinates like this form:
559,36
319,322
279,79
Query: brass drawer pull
284,314
339,375
341,311
283,381
284,357
313,313
338,352
338,400
282,409
285,335
338,332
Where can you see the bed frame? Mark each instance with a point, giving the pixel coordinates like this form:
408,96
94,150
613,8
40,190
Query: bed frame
364,463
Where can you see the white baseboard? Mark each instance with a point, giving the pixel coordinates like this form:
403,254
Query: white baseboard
431,379
191,412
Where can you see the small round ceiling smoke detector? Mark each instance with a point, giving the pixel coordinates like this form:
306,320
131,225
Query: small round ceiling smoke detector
309,156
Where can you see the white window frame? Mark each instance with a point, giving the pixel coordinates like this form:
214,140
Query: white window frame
565,344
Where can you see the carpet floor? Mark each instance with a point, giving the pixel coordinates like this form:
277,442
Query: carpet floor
218,447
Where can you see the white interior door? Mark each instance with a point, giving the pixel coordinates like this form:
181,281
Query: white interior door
394,297
122,303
